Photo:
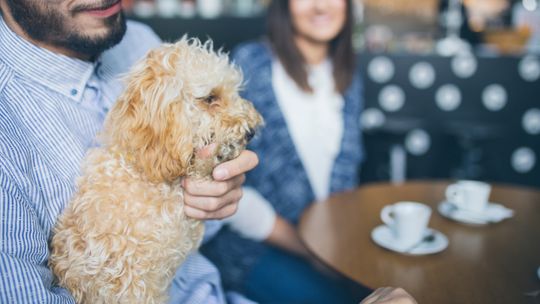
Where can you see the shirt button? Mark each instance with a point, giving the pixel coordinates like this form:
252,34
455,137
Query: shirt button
74,92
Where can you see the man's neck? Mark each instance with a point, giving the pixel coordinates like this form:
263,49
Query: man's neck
16,28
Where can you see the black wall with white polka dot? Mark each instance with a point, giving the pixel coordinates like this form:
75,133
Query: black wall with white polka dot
451,117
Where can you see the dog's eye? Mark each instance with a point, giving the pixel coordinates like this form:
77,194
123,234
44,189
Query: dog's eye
210,98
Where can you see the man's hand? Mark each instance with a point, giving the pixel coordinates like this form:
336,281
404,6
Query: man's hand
219,198
389,295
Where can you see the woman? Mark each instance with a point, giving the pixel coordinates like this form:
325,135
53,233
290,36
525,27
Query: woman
304,82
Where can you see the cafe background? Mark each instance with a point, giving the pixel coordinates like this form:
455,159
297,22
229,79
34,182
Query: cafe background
451,87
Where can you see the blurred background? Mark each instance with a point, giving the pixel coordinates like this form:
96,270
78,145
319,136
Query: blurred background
451,87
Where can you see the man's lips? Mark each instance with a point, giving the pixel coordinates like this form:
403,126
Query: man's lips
105,11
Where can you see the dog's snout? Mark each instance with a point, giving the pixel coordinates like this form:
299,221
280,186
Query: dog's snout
249,134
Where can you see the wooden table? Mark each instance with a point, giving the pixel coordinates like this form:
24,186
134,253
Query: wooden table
496,263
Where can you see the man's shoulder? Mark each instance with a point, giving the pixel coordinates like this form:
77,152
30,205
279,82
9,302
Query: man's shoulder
137,41
138,32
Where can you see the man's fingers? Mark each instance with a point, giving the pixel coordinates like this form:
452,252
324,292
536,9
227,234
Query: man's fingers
378,294
246,161
210,188
222,213
389,295
385,291
211,204
219,198
401,296
194,213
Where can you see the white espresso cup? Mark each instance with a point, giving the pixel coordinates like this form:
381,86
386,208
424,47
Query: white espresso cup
469,195
407,221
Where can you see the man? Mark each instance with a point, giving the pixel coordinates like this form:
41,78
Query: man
59,67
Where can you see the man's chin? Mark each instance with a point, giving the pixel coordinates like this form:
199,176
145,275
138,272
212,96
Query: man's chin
92,26
97,40
76,33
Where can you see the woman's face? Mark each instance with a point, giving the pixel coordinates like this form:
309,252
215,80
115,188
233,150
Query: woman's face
317,21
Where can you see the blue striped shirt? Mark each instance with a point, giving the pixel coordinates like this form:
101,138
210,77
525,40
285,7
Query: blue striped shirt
51,107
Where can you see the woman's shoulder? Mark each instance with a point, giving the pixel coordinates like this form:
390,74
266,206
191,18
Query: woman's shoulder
252,54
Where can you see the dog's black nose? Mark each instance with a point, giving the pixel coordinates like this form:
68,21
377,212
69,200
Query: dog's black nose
250,134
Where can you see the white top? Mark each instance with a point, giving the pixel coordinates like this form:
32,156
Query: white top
315,123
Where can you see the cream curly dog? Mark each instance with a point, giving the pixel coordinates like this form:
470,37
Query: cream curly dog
124,233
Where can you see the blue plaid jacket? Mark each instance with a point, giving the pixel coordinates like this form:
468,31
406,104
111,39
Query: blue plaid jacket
280,176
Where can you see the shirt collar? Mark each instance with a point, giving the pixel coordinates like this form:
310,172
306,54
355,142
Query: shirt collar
57,72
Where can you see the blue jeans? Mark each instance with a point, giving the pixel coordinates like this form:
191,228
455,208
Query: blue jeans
281,278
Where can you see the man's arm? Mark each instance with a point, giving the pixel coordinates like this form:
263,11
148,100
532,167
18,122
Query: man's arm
24,274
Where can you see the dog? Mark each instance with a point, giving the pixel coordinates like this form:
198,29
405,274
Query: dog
124,233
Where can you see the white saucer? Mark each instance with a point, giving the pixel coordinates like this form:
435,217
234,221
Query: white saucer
493,213
382,236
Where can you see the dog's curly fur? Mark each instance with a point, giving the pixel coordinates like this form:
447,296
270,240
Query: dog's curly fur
124,233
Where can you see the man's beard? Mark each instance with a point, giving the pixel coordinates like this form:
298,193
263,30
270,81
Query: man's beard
47,25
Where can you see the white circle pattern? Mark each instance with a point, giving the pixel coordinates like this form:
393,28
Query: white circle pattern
417,142
422,75
448,97
391,98
464,66
372,118
523,160
531,121
494,97
381,69
529,68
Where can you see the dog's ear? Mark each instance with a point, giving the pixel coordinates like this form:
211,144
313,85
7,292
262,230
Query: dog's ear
148,122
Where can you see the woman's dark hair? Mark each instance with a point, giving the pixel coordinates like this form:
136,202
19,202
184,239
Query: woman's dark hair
281,35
